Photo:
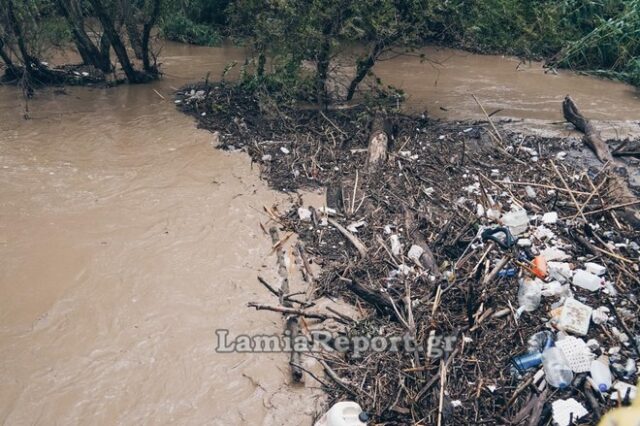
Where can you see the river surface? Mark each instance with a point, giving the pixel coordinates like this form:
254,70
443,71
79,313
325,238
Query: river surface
126,240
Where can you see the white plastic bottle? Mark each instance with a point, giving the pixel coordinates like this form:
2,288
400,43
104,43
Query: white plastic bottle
345,413
556,368
601,374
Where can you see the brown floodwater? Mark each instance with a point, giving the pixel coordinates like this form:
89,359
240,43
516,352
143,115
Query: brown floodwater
126,240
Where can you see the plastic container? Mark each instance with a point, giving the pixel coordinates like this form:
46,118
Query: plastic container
601,374
345,413
556,368
529,295
527,361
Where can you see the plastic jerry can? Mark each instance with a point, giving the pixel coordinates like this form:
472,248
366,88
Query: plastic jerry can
345,413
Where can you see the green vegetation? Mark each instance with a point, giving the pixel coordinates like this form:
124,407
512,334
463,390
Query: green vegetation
295,45
596,36
181,28
194,21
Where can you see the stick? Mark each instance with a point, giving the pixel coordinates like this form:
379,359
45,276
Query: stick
362,249
294,311
493,126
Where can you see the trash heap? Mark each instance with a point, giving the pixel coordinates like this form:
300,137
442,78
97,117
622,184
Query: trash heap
470,231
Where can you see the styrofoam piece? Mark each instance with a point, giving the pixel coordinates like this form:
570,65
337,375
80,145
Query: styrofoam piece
553,288
554,253
304,214
595,268
587,280
577,353
560,271
575,317
542,232
524,242
621,388
600,315
516,220
396,245
415,252
550,218
564,410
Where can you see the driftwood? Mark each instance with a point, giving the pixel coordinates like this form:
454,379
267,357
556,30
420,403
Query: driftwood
593,140
592,137
292,326
377,300
378,143
362,249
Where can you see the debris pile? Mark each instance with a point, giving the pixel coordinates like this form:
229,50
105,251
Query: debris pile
522,262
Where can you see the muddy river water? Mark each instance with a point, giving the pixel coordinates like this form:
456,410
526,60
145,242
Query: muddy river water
126,240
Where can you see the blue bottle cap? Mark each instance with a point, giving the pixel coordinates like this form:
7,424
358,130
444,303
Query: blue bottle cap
603,387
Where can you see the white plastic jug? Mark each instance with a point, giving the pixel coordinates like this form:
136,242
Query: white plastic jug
601,374
345,413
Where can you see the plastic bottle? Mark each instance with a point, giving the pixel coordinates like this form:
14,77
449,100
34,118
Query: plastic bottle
345,413
529,294
601,374
556,368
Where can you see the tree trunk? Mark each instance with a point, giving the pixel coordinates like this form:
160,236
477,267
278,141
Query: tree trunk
90,54
31,63
121,52
363,68
322,72
12,71
146,37
134,36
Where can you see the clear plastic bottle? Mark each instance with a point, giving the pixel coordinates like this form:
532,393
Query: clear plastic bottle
556,368
601,374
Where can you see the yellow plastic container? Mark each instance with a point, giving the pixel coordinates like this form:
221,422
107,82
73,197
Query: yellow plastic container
623,416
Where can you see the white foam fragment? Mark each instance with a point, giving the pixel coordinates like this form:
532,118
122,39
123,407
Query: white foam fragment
595,268
554,253
575,317
622,388
304,214
550,218
566,410
415,252
396,246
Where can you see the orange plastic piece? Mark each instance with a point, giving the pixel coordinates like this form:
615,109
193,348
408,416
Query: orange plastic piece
539,267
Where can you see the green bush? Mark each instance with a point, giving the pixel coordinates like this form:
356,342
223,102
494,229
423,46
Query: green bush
180,28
